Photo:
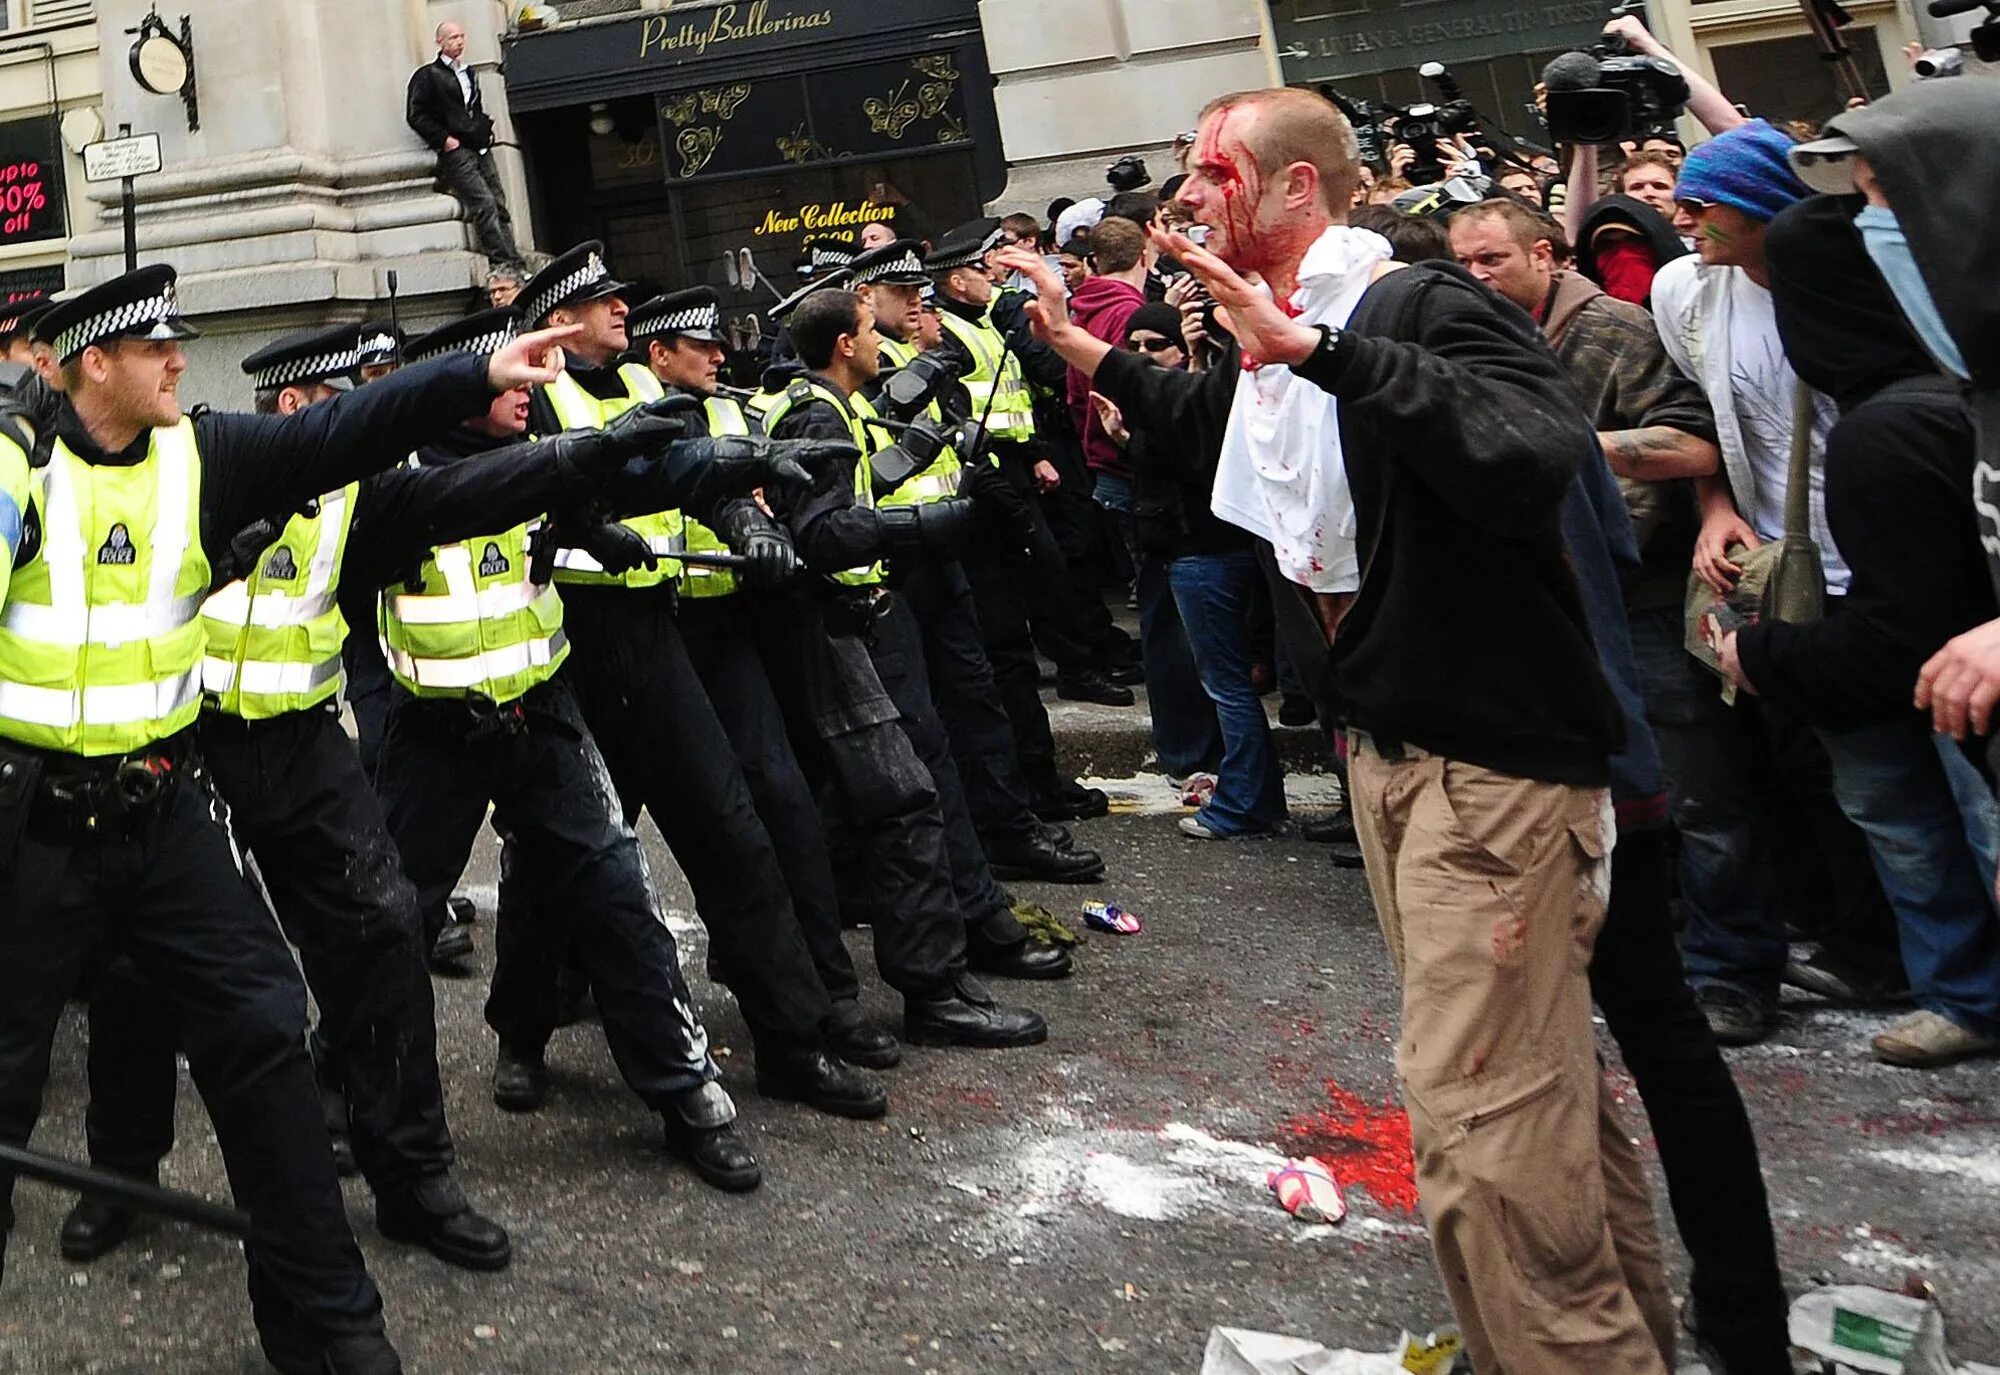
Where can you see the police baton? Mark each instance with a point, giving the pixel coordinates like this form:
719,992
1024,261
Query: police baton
126,1193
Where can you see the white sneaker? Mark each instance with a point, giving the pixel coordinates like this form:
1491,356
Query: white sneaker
1926,1040
1194,830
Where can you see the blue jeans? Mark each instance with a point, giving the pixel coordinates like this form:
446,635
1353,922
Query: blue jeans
1931,828
1761,838
1186,736
1114,494
1213,593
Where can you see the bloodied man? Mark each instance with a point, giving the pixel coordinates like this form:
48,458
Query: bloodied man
1405,425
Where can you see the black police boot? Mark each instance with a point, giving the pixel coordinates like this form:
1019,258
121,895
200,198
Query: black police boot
520,1081
1059,836
451,949
853,1040
368,1354
699,1130
1032,856
1024,959
1069,800
95,1228
1337,829
966,1015
433,1213
818,1080
1088,685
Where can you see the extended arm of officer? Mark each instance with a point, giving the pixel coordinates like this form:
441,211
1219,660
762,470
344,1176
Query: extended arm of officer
255,464
829,530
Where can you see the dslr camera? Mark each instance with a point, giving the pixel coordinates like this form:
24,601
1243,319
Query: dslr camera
1128,174
1611,93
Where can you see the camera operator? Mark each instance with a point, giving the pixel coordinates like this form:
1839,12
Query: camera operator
1461,439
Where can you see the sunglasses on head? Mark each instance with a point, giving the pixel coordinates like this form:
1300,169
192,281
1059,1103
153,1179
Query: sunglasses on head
1152,344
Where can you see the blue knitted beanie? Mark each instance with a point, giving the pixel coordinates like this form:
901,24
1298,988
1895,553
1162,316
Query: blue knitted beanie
1746,168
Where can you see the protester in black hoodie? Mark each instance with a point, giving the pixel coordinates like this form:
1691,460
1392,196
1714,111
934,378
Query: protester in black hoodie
1899,471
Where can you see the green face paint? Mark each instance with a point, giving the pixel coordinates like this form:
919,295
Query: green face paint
1713,234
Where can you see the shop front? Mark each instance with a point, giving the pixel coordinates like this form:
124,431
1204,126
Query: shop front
683,137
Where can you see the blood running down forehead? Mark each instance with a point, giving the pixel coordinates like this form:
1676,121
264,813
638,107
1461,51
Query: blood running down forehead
1224,160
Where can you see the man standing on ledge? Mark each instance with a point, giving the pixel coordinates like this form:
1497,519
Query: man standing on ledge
445,110
1413,409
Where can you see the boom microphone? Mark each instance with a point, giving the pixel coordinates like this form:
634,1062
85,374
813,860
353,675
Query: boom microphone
1581,72
1945,9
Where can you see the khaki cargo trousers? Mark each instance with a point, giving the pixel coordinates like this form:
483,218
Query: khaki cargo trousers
1490,890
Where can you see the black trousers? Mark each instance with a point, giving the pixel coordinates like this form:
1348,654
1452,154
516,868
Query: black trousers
647,709
984,742
299,804
474,180
580,872
879,801
370,688
898,654
1707,1149
166,891
721,640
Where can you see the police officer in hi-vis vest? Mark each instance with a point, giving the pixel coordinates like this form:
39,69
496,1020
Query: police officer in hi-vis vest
858,690
645,705
110,524
721,613
271,740
985,742
475,634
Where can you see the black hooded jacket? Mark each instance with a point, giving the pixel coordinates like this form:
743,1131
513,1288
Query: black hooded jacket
1648,223
1898,484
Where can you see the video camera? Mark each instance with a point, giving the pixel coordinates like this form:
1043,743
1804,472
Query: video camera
1985,38
1612,93
1423,126
1128,174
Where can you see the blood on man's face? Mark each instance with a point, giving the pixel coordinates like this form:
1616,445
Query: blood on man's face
1224,187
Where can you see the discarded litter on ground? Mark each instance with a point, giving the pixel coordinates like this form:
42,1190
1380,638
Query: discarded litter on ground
1861,1330
1308,1191
1109,916
1240,1351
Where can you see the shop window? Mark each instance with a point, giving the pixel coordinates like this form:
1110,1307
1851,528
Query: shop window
1787,79
19,14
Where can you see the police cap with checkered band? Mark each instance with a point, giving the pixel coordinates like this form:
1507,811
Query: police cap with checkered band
695,313
143,304
893,264
965,246
569,280
483,334
330,355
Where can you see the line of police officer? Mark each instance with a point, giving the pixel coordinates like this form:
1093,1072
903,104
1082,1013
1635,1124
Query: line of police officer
124,728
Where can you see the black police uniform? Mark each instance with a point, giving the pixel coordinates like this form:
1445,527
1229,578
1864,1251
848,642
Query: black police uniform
160,880
831,532
300,805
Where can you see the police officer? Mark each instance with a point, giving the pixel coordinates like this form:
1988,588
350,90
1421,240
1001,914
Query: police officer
1018,574
984,740
477,641
838,526
271,740
108,528
667,751
17,330
678,337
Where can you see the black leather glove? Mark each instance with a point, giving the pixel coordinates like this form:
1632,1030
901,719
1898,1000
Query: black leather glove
28,406
771,560
640,432
739,464
618,548
937,527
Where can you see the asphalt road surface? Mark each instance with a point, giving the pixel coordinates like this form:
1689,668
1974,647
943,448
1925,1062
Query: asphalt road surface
1094,1204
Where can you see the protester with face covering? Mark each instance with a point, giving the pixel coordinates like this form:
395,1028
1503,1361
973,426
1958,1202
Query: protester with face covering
1925,158
1622,243
1899,500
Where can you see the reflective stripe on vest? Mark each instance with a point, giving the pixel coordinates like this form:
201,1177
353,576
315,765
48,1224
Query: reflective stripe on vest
100,636
471,624
725,417
663,531
856,410
274,639
1000,394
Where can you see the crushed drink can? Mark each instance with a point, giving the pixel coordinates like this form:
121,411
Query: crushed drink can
1308,1191
1109,916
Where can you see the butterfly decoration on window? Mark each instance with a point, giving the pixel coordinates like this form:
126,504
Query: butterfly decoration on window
680,110
697,147
952,130
801,147
938,67
724,101
893,116
933,96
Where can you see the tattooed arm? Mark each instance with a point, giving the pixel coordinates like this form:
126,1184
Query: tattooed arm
1656,453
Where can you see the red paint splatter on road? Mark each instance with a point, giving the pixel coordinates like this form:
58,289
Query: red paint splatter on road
1367,1147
